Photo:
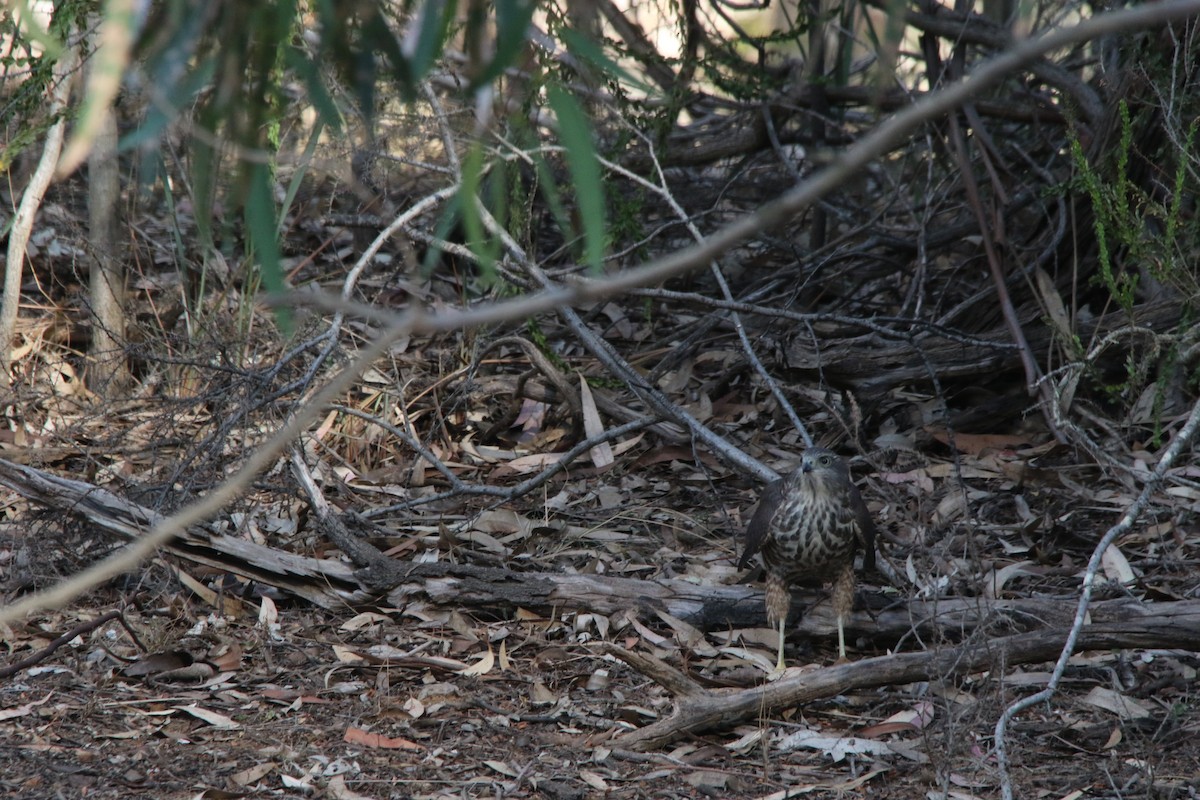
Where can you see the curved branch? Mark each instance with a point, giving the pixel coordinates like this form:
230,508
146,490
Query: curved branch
1077,631
699,709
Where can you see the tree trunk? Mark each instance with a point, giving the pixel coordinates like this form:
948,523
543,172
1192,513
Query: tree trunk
107,375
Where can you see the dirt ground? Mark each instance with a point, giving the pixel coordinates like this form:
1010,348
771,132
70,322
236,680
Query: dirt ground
173,699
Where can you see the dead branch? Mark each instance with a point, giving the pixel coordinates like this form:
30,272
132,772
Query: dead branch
324,582
872,364
1076,631
977,30
700,709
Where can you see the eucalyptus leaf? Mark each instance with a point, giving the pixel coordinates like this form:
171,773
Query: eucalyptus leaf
576,137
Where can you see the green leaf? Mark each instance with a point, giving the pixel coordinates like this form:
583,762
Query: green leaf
260,224
298,175
318,93
553,197
584,48
32,30
576,137
450,217
512,23
468,194
432,30
162,113
379,38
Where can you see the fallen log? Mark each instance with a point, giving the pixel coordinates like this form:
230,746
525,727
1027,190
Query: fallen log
1173,626
326,582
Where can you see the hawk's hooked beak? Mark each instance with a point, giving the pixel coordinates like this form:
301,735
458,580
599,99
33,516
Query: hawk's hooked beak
806,466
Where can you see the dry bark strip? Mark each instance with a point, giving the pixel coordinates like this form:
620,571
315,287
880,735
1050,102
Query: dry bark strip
375,579
699,709
324,582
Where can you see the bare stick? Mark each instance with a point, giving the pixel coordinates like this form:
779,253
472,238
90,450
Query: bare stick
31,201
773,386
44,653
1186,434
698,709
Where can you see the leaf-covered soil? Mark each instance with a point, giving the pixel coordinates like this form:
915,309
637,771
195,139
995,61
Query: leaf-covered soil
243,695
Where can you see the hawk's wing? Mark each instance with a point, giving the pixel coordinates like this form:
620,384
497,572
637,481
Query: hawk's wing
866,527
760,523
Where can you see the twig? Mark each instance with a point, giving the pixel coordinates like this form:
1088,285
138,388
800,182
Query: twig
698,709
360,552
662,191
127,558
542,364
618,366
1033,374
756,362
460,487
1172,452
872,145
41,655
651,395
973,29
901,331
